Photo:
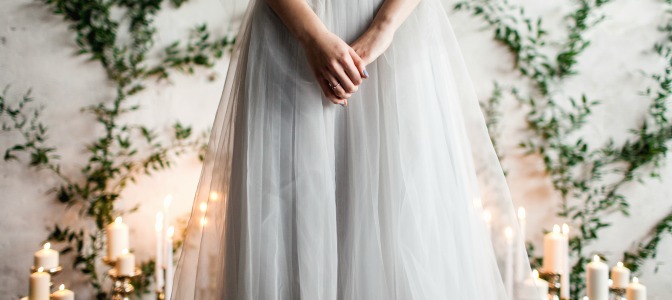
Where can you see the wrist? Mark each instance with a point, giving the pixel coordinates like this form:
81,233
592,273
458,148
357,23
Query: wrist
383,24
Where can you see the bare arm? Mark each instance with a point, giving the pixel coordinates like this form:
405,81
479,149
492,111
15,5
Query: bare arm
332,61
378,37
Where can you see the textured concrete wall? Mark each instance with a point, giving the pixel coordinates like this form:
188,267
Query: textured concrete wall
36,51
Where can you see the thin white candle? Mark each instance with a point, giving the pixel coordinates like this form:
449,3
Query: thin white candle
169,264
487,217
564,280
166,218
125,263
620,276
63,294
46,257
508,234
635,290
39,285
521,256
158,266
117,238
597,275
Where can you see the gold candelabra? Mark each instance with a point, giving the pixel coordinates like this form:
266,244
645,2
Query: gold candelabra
554,284
122,284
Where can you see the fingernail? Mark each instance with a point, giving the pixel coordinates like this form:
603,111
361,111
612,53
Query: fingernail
341,104
366,74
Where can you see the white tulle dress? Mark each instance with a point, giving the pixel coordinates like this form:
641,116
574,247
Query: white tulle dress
382,199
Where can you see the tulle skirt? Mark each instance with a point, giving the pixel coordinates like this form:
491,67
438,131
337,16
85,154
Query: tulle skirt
300,198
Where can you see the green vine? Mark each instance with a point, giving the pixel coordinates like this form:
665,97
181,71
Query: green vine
124,150
576,167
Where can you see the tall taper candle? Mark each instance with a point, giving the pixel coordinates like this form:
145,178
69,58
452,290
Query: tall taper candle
635,290
158,266
169,264
487,217
521,254
39,285
166,223
508,234
46,257
597,276
117,238
620,276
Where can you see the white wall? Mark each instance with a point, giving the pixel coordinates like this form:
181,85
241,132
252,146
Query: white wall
36,51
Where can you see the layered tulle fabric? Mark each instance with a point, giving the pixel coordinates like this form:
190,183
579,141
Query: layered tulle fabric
300,198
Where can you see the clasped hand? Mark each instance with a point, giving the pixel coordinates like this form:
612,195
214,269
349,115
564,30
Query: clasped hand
340,68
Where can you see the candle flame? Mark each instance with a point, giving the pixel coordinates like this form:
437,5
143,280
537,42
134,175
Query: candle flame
167,200
565,229
521,213
158,225
61,287
508,233
619,264
118,220
610,282
203,206
203,221
585,298
535,273
40,269
596,258
556,228
214,196
487,216
124,251
171,231
47,245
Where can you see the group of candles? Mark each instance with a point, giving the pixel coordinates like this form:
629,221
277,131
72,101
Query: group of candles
163,268
46,259
556,260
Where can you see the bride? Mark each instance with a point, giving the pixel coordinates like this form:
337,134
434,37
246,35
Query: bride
349,159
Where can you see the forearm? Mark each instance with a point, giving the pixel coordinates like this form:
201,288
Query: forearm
392,14
299,18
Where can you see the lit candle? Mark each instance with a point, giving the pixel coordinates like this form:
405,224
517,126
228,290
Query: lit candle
521,256
620,276
169,264
117,238
125,263
508,234
46,257
597,275
554,249
534,287
204,208
158,265
635,290
487,217
63,294
39,285
564,280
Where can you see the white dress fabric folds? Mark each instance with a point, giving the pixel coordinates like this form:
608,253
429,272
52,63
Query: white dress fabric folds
382,199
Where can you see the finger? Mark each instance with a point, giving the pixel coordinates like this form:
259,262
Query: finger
351,70
359,63
328,92
338,72
339,91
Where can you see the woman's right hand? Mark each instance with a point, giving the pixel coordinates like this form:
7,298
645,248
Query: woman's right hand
334,62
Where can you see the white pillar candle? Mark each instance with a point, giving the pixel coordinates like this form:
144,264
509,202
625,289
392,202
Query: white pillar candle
533,288
125,263
620,276
521,256
169,264
508,234
635,290
117,238
63,294
46,257
39,285
597,276
158,266
554,248
564,280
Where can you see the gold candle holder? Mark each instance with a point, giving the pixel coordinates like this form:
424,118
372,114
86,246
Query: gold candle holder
109,262
554,284
122,288
619,293
53,271
160,295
